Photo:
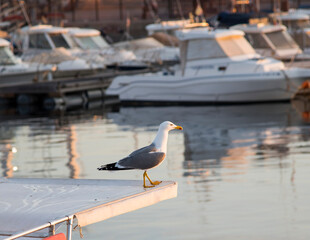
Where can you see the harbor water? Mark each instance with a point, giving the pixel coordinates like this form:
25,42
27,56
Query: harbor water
242,170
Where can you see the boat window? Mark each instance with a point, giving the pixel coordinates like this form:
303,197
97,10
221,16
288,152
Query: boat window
69,39
59,40
101,43
38,41
281,40
87,43
257,40
235,46
203,48
7,57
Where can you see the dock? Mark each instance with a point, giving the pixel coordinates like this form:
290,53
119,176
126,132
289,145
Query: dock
34,207
65,92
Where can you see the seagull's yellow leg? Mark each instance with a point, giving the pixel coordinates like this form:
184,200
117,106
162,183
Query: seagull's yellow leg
144,174
153,183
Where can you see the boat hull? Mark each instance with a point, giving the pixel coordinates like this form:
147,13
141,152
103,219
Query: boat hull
249,88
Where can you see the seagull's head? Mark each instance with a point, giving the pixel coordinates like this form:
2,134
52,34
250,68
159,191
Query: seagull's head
167,126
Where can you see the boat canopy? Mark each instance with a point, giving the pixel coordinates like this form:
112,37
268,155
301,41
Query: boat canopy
166,26
83,32
258,28
143,43
45,29
171,26
200,44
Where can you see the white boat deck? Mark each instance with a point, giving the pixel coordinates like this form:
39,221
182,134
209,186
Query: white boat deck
30,203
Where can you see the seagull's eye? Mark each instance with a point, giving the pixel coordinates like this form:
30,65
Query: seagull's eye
170,124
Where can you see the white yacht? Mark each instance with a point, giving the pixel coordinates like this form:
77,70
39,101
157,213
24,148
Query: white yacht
217,66
15,72
49,45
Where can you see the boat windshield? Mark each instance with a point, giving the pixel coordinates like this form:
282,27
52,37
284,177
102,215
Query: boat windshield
100,41
38,40
7,57
235,46
92,42
69,39
257,40
281,40
59,40
218,48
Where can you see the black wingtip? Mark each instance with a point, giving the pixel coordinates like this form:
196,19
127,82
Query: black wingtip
111,167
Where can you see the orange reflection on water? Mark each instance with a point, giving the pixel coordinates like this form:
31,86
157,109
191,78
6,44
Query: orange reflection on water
237,157
7,161
73,154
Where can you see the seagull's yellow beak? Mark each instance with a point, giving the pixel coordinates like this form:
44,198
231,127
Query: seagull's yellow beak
178,127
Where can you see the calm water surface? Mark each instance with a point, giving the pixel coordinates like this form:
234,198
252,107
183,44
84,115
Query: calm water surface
243,171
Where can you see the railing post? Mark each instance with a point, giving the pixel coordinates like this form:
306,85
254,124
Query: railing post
69,228
52,230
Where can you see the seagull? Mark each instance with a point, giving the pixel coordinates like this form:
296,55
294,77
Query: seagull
147,157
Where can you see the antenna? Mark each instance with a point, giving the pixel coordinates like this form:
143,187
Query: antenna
22,6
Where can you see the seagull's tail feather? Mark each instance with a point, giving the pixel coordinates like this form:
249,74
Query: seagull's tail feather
112,167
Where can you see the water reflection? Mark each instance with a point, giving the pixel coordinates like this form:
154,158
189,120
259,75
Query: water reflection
214,137
48,144
217,135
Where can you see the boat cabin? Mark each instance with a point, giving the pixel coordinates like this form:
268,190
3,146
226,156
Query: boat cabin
270,40
222,45
208,44
45,37
295,21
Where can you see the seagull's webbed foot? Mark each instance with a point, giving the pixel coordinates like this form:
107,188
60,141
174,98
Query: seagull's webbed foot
156,182
153,183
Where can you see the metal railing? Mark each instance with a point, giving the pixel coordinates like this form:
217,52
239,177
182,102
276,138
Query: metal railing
51,225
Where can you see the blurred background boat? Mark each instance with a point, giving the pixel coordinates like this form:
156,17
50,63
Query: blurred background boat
272,41
13,71
217,66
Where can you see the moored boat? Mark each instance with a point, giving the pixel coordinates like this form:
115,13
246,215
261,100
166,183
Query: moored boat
217,66
13,71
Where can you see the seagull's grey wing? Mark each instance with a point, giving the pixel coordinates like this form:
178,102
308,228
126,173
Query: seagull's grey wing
143,160
147,149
